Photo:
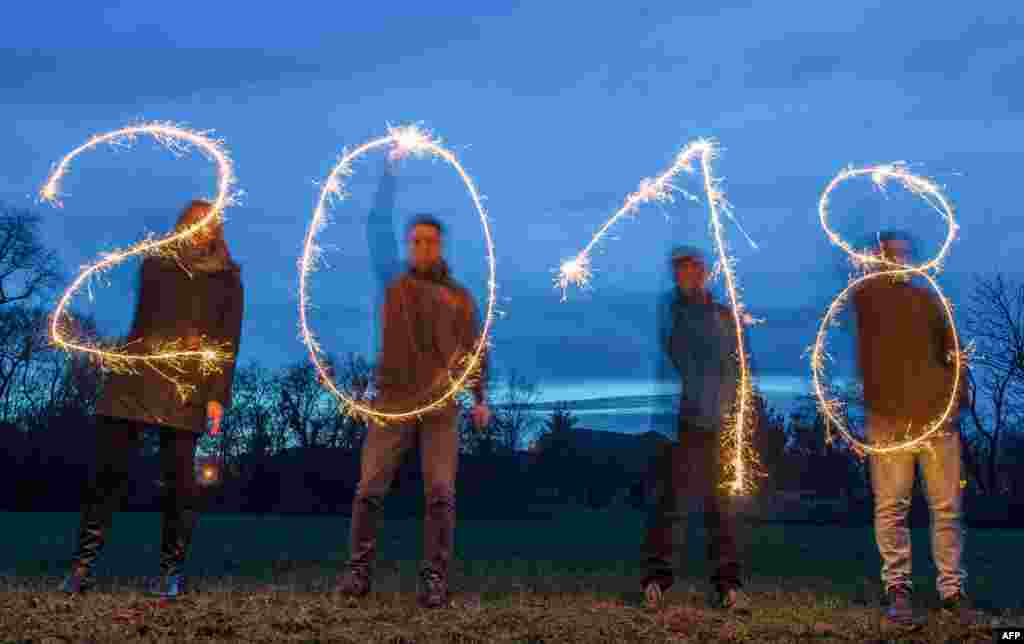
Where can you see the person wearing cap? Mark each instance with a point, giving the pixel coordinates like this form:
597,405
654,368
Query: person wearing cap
697,340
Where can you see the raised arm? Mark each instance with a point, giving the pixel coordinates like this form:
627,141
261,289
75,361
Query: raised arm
380,229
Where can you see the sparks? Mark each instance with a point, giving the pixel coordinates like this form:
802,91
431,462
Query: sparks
402,141
866,261
740,463
172,355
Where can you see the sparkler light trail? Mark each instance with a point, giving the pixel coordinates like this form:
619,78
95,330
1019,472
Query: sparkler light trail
403,141
172,355
740,461
875,266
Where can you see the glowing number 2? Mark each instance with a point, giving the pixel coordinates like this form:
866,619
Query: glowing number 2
177,139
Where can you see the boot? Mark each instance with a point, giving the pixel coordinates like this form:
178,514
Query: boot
175,540
91,537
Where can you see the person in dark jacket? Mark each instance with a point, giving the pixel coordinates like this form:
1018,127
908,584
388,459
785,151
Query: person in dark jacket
905,351
429,323
193,298
697,340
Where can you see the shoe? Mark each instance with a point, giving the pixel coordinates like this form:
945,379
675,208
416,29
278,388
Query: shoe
654,595
354,583
79,580
960,608
91,536
176,537
169,586
434,589
900,612
734,600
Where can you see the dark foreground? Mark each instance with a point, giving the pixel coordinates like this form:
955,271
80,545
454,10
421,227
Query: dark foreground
299,611
268,579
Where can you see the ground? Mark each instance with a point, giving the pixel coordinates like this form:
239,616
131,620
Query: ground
265,579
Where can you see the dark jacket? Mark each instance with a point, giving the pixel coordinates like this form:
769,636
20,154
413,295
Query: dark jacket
172,305
903,343
697,340
428,323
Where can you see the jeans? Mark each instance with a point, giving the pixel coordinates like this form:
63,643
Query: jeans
892,480
381,455
686,472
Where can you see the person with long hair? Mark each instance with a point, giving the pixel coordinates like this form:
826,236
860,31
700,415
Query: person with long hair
193,297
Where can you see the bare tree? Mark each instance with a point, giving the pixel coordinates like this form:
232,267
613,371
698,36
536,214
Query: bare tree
252,417
27,268
514,419
994,322
79,375
353,378
22,340
302,405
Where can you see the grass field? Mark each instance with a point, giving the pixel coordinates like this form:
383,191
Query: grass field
262,579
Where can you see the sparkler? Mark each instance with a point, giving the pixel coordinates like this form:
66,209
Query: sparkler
167,356
403,141
866,261
740,461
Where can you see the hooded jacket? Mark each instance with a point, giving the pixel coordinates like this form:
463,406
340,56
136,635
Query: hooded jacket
174,305
697,339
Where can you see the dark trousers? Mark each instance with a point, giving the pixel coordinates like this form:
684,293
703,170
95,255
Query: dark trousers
118,442
681,474
381,455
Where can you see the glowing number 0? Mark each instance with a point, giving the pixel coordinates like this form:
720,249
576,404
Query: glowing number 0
406,140
933,195
738,466
178,140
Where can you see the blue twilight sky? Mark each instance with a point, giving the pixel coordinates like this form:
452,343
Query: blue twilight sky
558,110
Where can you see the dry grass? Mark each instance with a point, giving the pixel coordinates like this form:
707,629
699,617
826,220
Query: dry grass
299,607
268,579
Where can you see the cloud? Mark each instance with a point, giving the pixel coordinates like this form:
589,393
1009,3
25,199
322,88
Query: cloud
119,76
136,70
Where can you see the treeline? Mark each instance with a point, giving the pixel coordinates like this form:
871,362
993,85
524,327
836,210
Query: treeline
284,447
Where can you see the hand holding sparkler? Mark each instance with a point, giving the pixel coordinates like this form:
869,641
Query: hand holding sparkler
214,412
481,415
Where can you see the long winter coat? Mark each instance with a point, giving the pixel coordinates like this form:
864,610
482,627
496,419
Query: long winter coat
175,305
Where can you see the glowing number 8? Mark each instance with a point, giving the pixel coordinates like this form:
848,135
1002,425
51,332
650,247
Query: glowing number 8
933,195
740,459
406,140
169,355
